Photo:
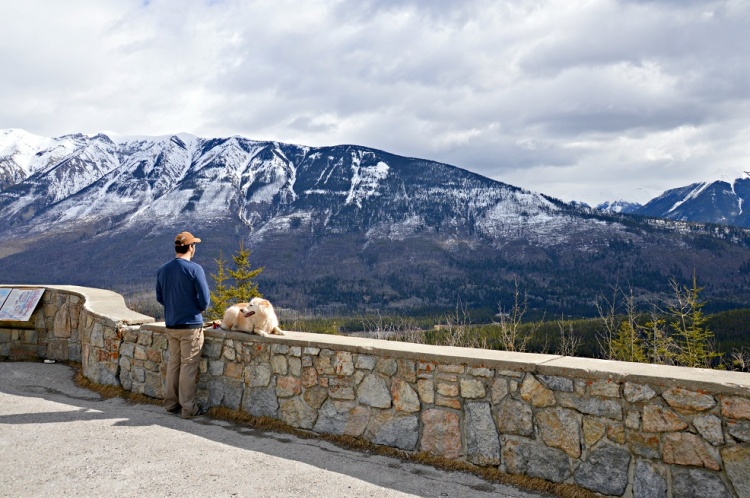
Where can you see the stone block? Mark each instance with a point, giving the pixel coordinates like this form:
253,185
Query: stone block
260,401
258,375
405,399
365,362
482,442
228,352
737,466
140,353
447,389
561,428
636,393
296,413
605,471
153,355
557,383
342,363
608,408
697,483
735,407
644,444
739,429
498,390
441,433
96,338
373,391
341,388
451,368
279,349
309,377
30,337
315,396
61,326
605,388
472,388
279,365
407,370
234,370
648,481
514,417
212,349
535,460
392,429
447,402
536,393
633,420
215,368
311,351
683,448
159,341
386,366
709,427
483,372
145,337
323,365
426,390
287,386
661,419
593,430
685,401
425,369
295,366
342,417
295,351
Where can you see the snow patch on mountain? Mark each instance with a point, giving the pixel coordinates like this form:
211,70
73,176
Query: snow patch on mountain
365,180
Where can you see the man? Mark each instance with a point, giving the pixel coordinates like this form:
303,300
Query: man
182,289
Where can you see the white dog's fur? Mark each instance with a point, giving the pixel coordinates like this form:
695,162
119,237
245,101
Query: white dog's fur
257,317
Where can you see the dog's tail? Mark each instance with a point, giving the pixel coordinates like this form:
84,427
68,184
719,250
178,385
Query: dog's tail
278,331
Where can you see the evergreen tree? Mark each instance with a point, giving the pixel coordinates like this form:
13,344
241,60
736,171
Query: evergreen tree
690,327
627,344
244,289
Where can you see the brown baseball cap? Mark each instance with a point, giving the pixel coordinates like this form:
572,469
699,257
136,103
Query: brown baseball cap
185,239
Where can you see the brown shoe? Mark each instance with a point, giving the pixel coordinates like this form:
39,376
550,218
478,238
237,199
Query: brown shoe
199,411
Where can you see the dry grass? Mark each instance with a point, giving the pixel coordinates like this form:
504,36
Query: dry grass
355,443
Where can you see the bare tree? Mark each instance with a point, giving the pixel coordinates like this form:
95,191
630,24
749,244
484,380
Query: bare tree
569,342
610,323
510,333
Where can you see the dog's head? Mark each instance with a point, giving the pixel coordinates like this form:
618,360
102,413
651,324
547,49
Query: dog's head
259,303
247,311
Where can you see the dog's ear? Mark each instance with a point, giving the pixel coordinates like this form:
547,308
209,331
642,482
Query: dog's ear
264,302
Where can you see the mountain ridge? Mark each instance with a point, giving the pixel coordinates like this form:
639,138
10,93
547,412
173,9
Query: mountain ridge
341,227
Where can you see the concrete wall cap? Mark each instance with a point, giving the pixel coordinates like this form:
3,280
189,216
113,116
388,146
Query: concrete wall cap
100,302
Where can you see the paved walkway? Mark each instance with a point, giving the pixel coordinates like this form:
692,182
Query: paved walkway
57,439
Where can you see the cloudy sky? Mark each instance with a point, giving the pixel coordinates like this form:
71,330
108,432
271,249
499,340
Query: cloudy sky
587,100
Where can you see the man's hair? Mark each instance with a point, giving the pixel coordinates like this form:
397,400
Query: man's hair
182,249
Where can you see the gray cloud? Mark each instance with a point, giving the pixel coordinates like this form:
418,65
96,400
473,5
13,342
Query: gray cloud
587,101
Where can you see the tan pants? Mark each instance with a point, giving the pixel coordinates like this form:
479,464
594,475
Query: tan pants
182,368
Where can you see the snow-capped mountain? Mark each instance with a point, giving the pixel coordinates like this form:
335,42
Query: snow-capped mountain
334,227
720,201
619,206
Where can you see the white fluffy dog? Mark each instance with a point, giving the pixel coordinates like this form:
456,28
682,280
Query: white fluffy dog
257,317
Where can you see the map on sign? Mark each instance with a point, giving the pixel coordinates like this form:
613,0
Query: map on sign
18,304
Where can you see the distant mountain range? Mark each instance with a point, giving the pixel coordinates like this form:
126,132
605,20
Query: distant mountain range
336,229
719,201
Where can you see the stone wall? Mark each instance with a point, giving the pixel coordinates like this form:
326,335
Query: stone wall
616,428
73,323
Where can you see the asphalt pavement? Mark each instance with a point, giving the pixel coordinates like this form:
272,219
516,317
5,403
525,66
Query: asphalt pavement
57,439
